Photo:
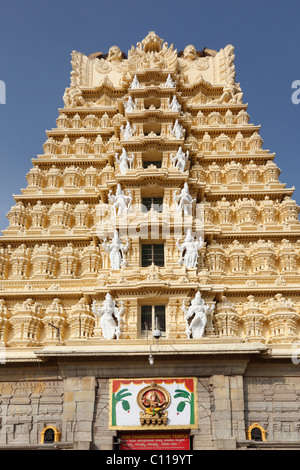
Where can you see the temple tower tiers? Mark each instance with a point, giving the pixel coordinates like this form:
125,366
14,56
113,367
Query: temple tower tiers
153,205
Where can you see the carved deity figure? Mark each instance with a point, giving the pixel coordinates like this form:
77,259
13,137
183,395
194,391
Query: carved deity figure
169,82
180,159
135,83
114,55
32,306
196,316
232,93
184,201
177,131
120,202
153,402
110,317
116,251
124,161
128,130
130,105
73,95
189,250
174,105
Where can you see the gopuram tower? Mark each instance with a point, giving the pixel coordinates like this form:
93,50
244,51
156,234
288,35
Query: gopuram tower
150,269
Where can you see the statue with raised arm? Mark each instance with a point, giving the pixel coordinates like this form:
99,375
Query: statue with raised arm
177,131
180,159
196,316
184,201
110,317
117,251
189,250
120,202
128,130
124,161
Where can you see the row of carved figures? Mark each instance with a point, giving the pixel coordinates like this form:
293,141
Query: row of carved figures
30,322
231,173
236,173
204,143
82,216
92,121
46,261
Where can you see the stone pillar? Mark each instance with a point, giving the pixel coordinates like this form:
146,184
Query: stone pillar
221,416
237,407
79,407
228,421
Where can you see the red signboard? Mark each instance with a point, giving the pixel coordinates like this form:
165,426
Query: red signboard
155,441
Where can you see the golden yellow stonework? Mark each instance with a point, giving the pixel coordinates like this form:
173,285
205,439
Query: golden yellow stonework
153,186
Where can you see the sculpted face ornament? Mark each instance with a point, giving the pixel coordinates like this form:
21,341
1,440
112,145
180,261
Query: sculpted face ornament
152,43
114,54
190,53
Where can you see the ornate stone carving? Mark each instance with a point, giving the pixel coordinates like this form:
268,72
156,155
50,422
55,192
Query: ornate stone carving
27,323
117,251
81,321
177,131
124,161
128,131
180,159
196,316
184,201
189,250
120,202
110,317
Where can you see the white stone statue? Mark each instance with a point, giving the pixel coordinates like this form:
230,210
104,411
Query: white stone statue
128,131
196,316
130,105
135,83
124,161
177,131
110,317
180,159
189,250
120,202
174,105
116,251
184,201
169,82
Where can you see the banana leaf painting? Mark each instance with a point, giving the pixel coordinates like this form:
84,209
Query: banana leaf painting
120,397
188,399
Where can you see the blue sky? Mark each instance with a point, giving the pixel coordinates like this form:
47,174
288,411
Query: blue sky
38,36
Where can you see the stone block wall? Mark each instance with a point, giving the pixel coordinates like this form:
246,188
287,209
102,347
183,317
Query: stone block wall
75,401
274,403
